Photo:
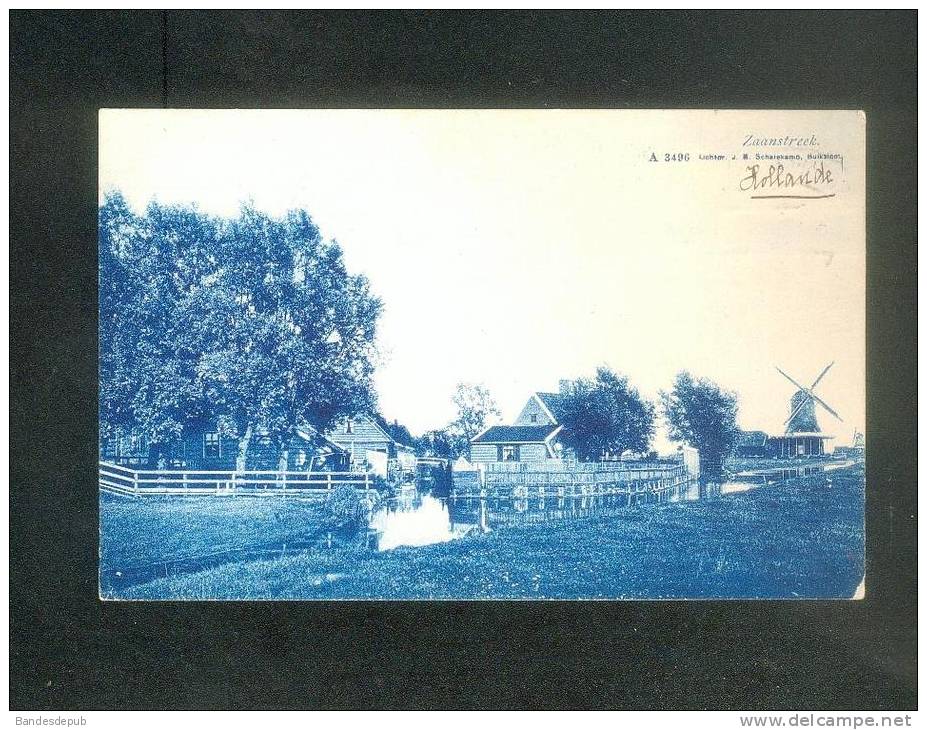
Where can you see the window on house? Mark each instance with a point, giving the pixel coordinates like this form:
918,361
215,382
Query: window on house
212,446
534,418
349,426
508,453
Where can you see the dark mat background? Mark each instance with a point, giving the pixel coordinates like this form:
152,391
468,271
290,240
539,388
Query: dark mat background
70,651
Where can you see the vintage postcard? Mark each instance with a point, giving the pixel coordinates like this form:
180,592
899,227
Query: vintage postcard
481,354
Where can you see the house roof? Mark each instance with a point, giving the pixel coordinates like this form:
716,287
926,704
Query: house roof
801,434
553,402
516,434
319,440
380,426
375,420
384,426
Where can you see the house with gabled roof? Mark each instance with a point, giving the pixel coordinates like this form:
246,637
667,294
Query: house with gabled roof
202,445
516,444
532,438
366,438
542,409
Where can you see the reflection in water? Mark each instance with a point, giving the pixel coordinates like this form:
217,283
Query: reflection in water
414,520
492,512
496,511
734,487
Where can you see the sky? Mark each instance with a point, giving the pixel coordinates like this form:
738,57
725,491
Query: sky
516,248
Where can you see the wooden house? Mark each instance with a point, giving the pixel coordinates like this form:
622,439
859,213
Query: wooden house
526,444
306,450
366,439
204,447
201,446
531,438
128,449
542,409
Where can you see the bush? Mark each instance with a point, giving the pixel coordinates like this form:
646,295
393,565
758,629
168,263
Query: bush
374,501
344,509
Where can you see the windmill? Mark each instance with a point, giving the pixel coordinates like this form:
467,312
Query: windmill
803,436
858,441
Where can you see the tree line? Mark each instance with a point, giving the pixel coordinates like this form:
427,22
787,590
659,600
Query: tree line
606,415
251,322
254,323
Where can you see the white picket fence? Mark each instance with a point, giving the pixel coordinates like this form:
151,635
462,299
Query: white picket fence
130,482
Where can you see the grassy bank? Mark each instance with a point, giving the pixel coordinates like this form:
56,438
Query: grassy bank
135,533
794,540
735,466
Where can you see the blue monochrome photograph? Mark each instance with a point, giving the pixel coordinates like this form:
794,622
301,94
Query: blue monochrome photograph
481,354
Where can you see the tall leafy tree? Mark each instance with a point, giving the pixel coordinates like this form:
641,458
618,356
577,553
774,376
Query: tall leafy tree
296,331
172,260
703,415
475,409
120,230
254,323
605,415
440,443
396,431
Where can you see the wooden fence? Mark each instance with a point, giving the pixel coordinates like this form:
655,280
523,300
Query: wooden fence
575,467
117,479
587,479
604,476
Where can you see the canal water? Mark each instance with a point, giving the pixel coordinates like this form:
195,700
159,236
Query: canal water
415,520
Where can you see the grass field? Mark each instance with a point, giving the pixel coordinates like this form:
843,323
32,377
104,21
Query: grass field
736,466
137,533
794,540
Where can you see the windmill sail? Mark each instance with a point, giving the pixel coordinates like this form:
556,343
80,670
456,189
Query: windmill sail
803,418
